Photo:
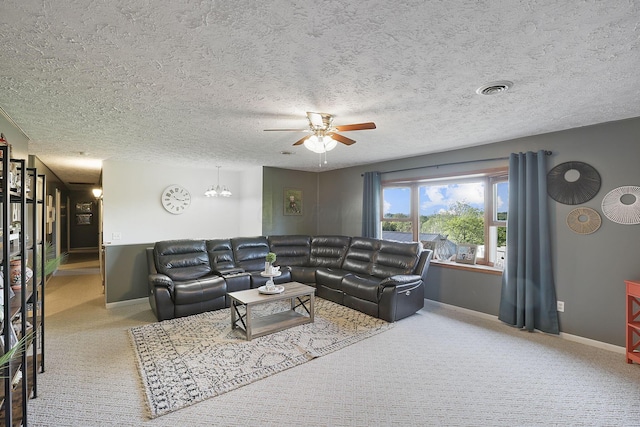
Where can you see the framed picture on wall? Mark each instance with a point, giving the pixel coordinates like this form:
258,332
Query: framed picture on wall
84,219
466,253
292,201
84,207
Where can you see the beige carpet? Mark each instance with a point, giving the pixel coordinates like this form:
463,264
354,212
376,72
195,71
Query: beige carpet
186,360
437,368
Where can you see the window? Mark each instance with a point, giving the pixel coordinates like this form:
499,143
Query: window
447,211
397,220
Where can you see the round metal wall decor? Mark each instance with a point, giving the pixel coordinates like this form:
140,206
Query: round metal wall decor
622,205
584,220
573,183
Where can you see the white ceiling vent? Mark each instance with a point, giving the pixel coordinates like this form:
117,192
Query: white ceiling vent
494,88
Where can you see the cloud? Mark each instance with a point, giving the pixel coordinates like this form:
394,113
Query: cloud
440,197
386,206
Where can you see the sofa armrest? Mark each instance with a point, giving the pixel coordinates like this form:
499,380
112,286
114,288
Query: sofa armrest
400,279
229,271
161,280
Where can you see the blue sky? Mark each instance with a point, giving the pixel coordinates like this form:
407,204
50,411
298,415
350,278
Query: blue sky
438,198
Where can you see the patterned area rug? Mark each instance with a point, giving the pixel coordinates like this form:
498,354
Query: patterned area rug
184,361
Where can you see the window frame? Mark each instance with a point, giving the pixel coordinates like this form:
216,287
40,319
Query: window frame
490,177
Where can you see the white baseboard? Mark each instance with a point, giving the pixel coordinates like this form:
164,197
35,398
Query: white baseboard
563,335
126,303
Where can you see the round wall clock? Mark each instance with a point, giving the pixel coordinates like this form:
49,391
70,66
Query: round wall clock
175,199
573,183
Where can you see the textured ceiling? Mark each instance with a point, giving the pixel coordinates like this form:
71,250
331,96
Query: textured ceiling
194,83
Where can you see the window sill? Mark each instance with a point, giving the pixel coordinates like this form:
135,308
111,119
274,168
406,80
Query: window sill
478,268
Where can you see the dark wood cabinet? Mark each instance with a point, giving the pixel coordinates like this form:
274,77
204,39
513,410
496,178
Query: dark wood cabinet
633,321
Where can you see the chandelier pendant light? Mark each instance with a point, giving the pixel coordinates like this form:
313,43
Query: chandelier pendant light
216,191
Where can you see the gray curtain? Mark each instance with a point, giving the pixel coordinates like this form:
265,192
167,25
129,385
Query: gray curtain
371,205
528,298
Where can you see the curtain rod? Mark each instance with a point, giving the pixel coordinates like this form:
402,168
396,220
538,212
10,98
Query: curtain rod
546,152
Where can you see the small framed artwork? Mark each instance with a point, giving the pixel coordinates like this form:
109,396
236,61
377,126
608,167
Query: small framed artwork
466,253
84,207
83,219
292,201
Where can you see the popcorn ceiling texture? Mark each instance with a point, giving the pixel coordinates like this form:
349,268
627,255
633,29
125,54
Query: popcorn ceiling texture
194,83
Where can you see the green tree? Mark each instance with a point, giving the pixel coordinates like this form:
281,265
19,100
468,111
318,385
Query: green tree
462,223
389,225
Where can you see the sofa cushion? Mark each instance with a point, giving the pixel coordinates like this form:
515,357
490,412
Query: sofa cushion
182,259
291,250
221,256
361,255
395,258
328,251
331,277
306,275
195,291
365,288
250,252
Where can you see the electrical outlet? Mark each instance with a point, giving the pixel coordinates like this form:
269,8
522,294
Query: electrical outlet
116,236
561,306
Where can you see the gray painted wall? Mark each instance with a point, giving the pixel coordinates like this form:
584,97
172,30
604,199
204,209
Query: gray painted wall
274,221
126,267
589,269
14,136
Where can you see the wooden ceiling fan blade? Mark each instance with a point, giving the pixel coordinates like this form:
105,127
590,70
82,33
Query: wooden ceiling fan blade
342,139
356,126
285,130
301,141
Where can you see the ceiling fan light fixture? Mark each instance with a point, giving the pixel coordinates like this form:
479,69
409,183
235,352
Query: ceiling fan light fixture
329,143
320,144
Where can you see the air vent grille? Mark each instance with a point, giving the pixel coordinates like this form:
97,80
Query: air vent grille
494,88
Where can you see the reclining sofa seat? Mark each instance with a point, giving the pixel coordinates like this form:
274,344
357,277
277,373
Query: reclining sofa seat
378,277
181,281
292,254
249,254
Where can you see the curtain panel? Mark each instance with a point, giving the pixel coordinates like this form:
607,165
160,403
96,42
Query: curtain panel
371,205
528,297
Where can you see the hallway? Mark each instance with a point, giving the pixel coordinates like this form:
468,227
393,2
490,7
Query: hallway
80,263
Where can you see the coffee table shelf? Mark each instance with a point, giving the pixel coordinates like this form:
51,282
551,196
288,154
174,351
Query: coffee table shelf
277,322
299,294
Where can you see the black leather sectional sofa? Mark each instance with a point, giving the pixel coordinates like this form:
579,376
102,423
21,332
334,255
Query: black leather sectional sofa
382,278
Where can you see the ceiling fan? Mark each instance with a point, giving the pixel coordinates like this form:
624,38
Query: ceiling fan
322,133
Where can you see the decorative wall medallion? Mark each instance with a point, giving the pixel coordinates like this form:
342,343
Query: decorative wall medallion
622,205
584,220
573,183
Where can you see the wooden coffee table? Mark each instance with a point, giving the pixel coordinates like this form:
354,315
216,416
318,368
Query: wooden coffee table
300,296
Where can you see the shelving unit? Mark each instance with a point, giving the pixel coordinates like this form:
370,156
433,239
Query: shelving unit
633,321
22,219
